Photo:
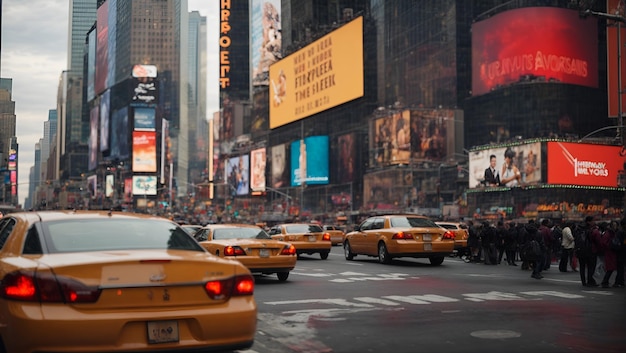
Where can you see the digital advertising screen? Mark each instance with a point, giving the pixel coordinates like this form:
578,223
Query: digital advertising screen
144,119
309,161
280,171
265,37
102,47
105,104
238,174
120,148
534,44
144,151
584,164
91,66
524,159
347,158
144,185
322,75
258,163
93,138
109,185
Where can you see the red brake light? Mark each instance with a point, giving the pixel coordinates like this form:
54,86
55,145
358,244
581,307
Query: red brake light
46,287
402,236
231,287
448,235
326,236
233,251
288,250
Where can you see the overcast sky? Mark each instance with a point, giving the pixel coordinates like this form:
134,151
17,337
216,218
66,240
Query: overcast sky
34,54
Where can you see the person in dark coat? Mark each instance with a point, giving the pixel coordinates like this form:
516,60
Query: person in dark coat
473,242
488,240
501,232
610,256
510,243
587,262
548,240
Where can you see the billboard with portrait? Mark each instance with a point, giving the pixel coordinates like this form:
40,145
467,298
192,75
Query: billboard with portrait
92,186
516,165
109,185
102,45
265,38
144,185
322,75
257,172
584,164
144,151
534,44
309,161
278,161
238,174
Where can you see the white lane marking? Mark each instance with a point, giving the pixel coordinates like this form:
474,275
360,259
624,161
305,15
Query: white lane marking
493,295
311,274
377,301
554,293
337,301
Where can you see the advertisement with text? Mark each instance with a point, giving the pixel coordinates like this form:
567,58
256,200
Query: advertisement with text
510,166
584,164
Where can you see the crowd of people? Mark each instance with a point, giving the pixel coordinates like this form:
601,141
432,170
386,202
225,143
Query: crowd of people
596,250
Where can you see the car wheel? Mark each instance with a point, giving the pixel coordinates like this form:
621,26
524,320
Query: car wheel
324,255
383,254
282,276
436,261
347,251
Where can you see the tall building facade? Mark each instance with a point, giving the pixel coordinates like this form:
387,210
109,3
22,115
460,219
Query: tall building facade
444,87
8,145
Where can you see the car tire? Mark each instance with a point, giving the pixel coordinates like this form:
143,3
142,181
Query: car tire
324,255
436,261
282,276
347,251
383,254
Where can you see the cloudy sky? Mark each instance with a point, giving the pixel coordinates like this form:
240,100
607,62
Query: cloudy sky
34,54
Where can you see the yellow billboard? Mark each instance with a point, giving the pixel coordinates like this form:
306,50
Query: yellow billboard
322,75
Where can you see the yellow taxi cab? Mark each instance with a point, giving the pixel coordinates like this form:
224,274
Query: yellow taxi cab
251,245
98,281
392,236
308,238
461,234
336,234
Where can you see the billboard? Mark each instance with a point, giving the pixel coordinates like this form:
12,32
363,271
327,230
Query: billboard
105,104
102,44
144,119
534,44
613,56
517,165
109,188
237,174
266,39
144,185
280,171
119,140
144,151
257,173
584,164
309,161
92,185
93,138
91,66
347,158
322,75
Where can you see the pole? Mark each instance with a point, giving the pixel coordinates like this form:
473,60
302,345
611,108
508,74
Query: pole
170,185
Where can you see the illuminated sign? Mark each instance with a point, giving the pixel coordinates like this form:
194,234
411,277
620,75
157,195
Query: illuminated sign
144,185
584,164
225,43
144,151
257,174
613,55
524,159
145,71
238,174
309,161
322,75
534,44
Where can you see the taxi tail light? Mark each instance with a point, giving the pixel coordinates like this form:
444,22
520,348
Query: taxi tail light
326,236
233,251
402,236
288,250
448,235
232,287
46,287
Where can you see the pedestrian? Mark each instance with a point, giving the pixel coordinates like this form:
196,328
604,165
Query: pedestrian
567,248
510,243
546,235
610,255
537,261
523,236
621,255
501,233
587,254
473,242
488,240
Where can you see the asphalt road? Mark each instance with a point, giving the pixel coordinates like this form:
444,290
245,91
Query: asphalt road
336,305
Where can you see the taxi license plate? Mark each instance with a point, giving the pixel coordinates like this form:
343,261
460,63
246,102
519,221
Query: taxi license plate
428,247
427,237
264,253
162,331
312,238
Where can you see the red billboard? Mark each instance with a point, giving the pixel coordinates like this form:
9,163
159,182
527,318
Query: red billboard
614,59
144,151
584,164
534,44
